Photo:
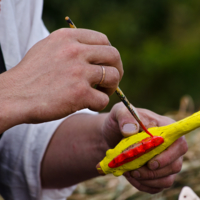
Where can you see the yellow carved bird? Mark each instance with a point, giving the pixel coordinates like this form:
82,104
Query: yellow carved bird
134,151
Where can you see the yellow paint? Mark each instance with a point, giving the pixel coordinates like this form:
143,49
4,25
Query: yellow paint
170,134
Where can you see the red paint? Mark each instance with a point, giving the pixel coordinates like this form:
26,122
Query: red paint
143,147
144,128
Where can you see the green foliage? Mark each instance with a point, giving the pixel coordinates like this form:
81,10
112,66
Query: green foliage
158,41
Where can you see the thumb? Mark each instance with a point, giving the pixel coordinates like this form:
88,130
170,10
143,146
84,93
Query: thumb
127,123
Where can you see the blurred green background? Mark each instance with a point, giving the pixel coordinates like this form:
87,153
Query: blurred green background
159,43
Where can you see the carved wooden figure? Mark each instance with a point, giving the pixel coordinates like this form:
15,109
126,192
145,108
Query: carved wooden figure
134,151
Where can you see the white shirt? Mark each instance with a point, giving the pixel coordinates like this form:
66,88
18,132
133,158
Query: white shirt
21,151
21,27
22,147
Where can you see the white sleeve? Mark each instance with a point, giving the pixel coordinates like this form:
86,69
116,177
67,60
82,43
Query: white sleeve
21,151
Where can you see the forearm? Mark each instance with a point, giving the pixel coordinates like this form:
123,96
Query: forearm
74,150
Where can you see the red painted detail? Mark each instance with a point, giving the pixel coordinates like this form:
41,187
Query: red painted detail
144,128
143,147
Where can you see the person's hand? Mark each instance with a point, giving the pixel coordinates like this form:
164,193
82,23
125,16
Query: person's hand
57,77
159,172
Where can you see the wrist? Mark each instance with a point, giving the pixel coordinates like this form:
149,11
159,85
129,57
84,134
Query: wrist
12,110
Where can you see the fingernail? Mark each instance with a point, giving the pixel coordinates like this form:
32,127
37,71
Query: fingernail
154,165
135,174
129,128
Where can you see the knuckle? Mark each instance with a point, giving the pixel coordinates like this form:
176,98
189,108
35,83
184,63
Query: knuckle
68,49
151,175
73,51
115,54
176,167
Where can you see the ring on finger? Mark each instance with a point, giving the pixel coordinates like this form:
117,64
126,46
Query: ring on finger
103,75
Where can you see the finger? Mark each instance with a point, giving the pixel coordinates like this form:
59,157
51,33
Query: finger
106,75
84,36
91,37
164,182
144,173
177,149
141,187
149,118
103,55
127,123
95,100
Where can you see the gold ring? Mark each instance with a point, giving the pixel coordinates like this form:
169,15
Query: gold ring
103,75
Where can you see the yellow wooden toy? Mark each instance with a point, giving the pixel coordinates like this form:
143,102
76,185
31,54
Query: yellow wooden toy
117,160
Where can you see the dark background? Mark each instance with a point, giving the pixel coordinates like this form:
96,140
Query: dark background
159,43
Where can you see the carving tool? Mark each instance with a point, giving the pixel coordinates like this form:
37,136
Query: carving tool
119,93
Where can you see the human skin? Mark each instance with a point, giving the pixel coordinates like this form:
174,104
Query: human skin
57,77
81,141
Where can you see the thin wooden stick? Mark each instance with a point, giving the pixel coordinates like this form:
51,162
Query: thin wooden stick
119,93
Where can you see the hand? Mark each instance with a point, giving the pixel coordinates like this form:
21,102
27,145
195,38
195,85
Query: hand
159,173
57,76
155,176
